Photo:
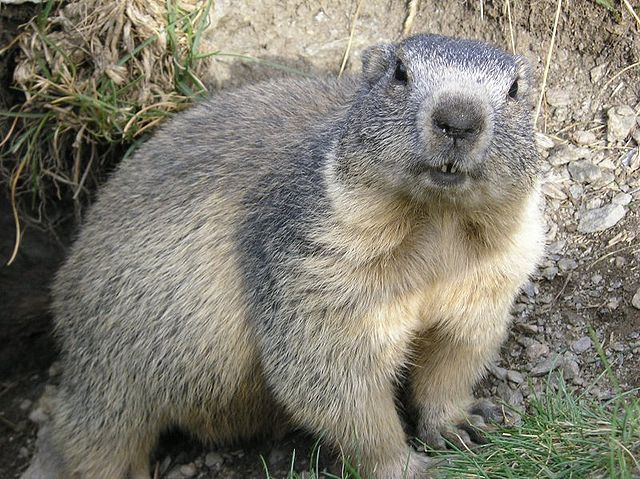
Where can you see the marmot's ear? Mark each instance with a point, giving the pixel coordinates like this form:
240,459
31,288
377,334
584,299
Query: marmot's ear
376,60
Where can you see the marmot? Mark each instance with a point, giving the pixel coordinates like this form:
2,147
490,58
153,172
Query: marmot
288,252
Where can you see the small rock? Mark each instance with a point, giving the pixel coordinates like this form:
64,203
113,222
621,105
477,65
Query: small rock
515,377
213,460
526,328
188,470
25,405
567,154
38,416
635,301
543,141
581,345
545,366
576,190
550,272
597,72
600,219
530,289
622,199
558,97
570,370
510,396
618,347
584,137
498,372
567,264
621,120
584,171
556,247
536,350
552,190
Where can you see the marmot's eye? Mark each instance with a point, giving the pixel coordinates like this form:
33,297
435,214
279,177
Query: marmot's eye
400,75
513,90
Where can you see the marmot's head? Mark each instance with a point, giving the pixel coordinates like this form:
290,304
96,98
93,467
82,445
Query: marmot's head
438,117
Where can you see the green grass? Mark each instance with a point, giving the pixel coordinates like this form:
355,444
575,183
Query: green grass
563,435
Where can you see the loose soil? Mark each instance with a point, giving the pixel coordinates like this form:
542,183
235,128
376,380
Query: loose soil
587,281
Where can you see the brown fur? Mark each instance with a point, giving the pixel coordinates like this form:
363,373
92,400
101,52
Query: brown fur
277,255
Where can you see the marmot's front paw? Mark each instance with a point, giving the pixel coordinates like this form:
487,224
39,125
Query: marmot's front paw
466,433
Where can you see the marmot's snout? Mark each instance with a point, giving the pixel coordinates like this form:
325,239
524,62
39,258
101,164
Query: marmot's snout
458,121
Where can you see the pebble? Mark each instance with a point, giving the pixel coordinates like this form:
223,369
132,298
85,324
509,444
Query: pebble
635,301
498,372
584,137
600,219
510,396
622,199
597,73
581,345
621,119
571,370
544,142
584,171
213,460
276,457
567,264
536,350
549,272
188,470
515,377
38,416
567,154
546,366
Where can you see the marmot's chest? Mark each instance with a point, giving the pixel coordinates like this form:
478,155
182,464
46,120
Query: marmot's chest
455,287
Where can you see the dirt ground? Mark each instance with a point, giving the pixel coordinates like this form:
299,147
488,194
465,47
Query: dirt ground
588,280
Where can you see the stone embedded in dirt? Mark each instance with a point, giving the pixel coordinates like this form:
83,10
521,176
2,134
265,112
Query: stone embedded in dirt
497,372
635,301
597,73
584,171
213,460
568,153
567,264
510,396
544,142
600,219
188,470
546,365
571,370
581,345
536,350
582,137
621,119
552,190
549,272
515,377
558,97
622,199
38,416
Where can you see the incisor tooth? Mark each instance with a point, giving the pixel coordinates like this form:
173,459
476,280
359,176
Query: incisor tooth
454,169
444,168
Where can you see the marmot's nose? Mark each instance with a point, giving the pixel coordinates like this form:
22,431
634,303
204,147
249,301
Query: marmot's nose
458,118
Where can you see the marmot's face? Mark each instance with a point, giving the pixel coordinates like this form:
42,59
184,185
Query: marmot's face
447,118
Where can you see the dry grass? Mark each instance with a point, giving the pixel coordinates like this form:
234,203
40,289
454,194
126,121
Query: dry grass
96,76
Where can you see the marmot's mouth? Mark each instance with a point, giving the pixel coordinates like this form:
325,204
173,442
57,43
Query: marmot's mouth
446,175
